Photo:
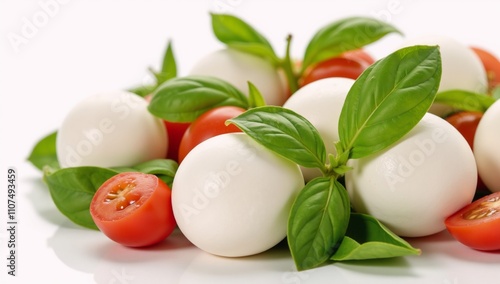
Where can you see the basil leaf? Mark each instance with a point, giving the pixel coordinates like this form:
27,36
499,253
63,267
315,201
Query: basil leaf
495,93
284,132
389,99
343,35
237,34
255,98
44,152
465,100
367,238
184,99
163,168
318,221
168,67
142,90
72,190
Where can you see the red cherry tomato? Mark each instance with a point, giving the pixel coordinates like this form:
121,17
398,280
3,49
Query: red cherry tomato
359,55
491,65
207,125
133,209
466,123
175,131
334,67
477,225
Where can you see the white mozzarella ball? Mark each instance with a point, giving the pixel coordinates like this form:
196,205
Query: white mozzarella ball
231,196
320,102
486,147
238,68
414,185
109,130
461,68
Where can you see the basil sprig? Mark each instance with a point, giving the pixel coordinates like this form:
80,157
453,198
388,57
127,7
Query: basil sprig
465,100
330,41
386,102
44,152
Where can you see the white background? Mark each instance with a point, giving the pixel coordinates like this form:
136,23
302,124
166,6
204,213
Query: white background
78,48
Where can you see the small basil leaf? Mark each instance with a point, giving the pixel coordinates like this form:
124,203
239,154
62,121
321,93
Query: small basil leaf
465,100
183,99
284,132
495,93
163,168
389,99
237,34
255,98
367,238
343,35
169,66
143,90
72,190
44,152
317,223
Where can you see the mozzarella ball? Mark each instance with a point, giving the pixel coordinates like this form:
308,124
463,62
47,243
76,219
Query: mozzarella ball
461,68
486,147
321,102
238,68
416,183
231,196
109,130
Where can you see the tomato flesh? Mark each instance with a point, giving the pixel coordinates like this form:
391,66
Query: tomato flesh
334,67
133,209
477,225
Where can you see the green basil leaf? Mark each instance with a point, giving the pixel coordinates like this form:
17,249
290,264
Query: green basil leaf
142,90
163,168
284,132
72,190
465,100
183,99
237,34
255,98
168,67
389,99
495,93
343,35
44,152
318,221
367,238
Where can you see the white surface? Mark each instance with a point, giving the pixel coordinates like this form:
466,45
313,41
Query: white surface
85,47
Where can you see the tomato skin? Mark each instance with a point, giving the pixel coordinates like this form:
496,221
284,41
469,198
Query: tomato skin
334,67
175,131
359,54
208,125
481,233
147,221
466,123
491,64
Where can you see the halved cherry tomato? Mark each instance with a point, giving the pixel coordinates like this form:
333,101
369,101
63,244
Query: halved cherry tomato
335,67
477,225
207,125
491,64
134,209
466,123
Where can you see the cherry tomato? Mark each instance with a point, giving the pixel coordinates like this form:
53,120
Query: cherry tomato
359,54
491,65
207,125
466,123
134,209
175,131
477,225
334,67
